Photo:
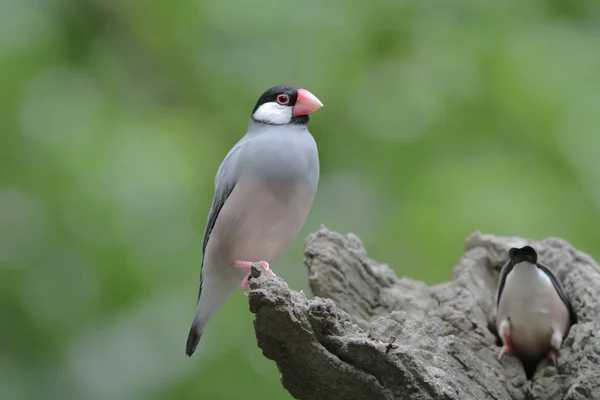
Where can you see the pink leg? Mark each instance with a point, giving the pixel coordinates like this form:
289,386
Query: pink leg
552,353
555,343
247,265
244,285
504,332
507,348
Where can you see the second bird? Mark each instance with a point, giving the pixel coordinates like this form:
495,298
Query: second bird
264,190
534,312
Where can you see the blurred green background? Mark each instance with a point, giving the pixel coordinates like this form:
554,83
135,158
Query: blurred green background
440,118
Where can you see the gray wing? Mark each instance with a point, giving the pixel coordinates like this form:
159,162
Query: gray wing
502,279
225,181
559,289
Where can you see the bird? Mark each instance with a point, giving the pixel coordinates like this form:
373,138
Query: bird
263,192
534,313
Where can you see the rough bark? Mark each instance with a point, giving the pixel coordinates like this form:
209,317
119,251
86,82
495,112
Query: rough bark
337,345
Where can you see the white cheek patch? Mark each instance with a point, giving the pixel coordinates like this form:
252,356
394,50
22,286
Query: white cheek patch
273,113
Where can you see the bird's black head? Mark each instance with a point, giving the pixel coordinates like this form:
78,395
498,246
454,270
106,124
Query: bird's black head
285,104
526,253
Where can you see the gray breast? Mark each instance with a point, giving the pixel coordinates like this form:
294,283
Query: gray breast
281,154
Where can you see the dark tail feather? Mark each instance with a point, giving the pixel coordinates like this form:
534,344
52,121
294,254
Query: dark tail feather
192,340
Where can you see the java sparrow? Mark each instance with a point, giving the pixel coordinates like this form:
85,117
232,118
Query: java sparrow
264,189
533,310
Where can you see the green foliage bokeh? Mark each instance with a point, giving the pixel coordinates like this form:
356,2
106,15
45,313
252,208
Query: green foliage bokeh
440,118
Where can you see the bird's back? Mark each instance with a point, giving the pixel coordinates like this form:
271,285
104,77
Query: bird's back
533,306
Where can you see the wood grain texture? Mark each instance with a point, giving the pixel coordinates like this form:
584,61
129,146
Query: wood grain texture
337,345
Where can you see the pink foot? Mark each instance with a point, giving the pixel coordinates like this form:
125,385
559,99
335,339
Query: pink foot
247,265
504,332
506,348
244,285
555,343
552,353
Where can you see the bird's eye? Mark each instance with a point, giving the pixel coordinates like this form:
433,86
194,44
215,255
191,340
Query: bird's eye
283,99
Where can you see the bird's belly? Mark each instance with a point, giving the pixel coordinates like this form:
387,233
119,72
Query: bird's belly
531,331
533,313
260,224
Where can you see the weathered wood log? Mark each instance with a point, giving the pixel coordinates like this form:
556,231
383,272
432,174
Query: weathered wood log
340,345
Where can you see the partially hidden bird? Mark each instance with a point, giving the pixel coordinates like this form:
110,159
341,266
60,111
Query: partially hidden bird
534,313
264,189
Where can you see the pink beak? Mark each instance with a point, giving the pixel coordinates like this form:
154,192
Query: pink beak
306,103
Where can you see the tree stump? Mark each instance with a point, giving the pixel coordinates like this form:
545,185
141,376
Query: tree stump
369,335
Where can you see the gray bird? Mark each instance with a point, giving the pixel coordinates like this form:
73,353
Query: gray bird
533,311
264,190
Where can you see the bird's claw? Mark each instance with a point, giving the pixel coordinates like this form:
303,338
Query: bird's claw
268,270
506,348
244,285
552,355
555,343
247,265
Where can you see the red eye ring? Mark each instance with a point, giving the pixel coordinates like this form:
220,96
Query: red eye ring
283,99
